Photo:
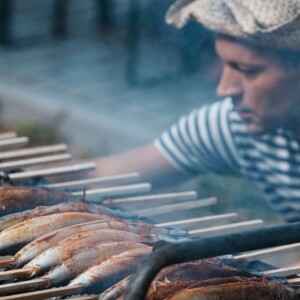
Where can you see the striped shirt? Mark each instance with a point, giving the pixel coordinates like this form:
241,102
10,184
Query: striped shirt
214,139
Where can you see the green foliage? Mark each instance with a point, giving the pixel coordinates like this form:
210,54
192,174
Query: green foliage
42,132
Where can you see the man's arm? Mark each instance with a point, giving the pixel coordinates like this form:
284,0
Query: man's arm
146,160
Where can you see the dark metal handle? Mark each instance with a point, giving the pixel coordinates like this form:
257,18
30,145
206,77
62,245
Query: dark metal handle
207,247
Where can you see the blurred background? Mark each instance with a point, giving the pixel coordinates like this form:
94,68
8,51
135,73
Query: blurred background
108,75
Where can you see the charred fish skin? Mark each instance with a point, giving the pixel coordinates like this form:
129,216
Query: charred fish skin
99,277
13,199
20,234
246,290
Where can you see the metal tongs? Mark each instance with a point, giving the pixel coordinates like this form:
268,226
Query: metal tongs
173,253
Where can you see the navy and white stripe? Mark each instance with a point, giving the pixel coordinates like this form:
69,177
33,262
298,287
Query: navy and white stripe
214,139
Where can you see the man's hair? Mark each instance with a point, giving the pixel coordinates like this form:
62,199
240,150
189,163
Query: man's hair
289,59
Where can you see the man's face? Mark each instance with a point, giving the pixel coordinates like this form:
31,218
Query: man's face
265,93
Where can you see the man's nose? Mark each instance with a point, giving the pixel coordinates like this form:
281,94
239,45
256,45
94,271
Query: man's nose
230,83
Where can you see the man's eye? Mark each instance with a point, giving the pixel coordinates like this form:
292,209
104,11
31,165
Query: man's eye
250,72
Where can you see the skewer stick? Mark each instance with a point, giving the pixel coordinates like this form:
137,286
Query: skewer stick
13,154
283,271
113,191
191,195
18,141
16,274
44,294
22,286
158,210
266,253
6,263
8,135
198,220
33,161
118,179
52,171
294,281
92,297
225,228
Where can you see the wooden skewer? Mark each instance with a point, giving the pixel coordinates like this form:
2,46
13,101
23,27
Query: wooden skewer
113,191
191,195
8,135
52,171
198,220
14,154
6,263
118,179
22,286
91,297
266,253
158,210
283,271
18,141
294,281
34,161
16,274
225,228
44,294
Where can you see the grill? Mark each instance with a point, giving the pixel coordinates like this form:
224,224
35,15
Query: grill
173,241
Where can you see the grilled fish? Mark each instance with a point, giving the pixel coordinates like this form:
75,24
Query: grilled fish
20,234
111,270
13,199
16,218
38,246
247,289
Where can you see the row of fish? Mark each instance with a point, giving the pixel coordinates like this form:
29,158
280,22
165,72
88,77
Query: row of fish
71,239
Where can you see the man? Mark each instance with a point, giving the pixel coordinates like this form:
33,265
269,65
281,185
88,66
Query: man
255,130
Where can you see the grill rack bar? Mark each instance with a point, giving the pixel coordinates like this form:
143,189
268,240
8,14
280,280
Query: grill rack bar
28,162
34,151
14,142
48,172
8,135
117,179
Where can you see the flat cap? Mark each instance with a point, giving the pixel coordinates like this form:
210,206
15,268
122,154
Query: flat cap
267,23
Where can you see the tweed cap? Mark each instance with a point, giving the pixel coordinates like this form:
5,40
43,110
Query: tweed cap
267,23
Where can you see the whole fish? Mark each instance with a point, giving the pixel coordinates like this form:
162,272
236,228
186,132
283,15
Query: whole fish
13,199
38,246
13,219
16,218
76,243
20,234
17,199
110,271
90,256
242,289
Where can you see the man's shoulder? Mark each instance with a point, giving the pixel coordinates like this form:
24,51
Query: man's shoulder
220,109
